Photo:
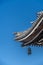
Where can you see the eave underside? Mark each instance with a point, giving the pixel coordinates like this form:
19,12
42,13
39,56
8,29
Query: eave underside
36,41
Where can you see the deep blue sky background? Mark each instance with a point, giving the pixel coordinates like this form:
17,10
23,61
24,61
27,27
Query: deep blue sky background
16,15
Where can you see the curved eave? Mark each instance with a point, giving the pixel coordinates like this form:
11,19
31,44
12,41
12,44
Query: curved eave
32,31
24,34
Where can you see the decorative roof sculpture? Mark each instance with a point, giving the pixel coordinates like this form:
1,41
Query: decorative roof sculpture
34,35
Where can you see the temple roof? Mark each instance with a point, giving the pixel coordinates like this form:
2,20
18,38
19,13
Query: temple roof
33,32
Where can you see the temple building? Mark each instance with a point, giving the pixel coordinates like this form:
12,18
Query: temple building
34,35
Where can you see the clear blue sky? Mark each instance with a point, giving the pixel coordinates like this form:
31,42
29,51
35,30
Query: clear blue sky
16,15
